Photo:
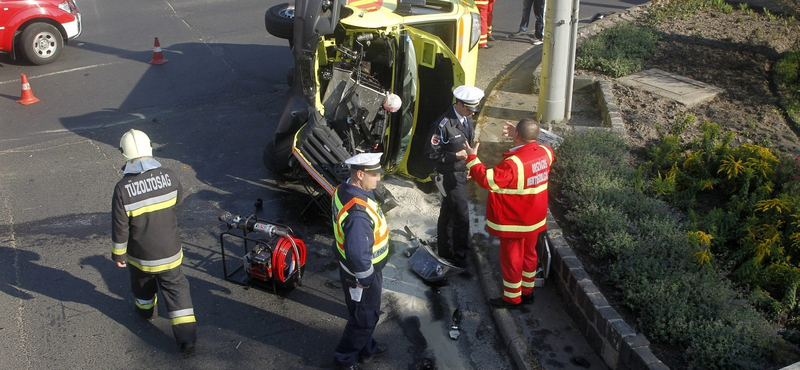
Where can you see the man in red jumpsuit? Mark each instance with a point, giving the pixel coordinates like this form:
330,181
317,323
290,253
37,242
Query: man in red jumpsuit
516,208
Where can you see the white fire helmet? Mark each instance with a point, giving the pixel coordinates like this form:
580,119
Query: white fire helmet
392,103
135,144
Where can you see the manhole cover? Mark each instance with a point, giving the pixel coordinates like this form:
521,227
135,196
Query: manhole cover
681,89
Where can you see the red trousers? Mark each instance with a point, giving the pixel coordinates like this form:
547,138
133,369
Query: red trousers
486,8
518,261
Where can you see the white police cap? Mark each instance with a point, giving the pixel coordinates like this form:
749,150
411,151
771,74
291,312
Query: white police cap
469,95
367,162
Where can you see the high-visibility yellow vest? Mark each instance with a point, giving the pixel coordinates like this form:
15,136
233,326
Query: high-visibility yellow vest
342,207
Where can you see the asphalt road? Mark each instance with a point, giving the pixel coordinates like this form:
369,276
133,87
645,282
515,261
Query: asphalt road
209,111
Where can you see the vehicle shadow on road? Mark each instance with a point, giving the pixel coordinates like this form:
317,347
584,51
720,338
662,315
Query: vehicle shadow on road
211,108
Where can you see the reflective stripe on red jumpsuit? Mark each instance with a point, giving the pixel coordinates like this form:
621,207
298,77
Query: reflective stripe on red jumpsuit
516,211
486,10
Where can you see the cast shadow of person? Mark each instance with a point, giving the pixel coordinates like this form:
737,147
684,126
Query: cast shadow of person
62,286
215,312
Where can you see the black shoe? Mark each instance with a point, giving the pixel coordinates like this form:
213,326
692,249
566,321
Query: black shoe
382,348
501,303
518,34
527,299
467,273
147,314
188,349
490,38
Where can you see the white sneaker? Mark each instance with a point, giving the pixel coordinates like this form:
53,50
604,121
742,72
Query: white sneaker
537,41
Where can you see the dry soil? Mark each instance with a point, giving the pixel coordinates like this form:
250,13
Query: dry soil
735,52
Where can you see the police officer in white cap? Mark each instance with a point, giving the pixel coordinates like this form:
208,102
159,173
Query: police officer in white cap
446,149
362,248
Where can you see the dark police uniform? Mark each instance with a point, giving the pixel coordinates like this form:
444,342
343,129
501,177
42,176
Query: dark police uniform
145,235
448,137
362,249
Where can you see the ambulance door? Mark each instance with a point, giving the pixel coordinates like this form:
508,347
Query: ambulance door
427,75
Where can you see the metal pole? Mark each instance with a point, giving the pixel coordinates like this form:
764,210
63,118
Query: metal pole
573,42
554,62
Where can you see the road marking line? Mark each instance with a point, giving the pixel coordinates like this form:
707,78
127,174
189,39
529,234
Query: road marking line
136,117
60,72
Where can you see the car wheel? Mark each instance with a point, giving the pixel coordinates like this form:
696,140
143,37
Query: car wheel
42,43
279,21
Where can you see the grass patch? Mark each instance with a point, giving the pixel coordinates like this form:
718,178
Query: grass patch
787,78
618,50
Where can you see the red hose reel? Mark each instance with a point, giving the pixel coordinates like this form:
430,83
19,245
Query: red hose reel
275,261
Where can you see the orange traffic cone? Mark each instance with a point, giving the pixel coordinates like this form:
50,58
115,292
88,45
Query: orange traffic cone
27,94
158,58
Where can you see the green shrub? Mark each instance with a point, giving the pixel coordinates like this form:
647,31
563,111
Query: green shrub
739,341
720,223
787,77
677,298
602,225
787,175
618,50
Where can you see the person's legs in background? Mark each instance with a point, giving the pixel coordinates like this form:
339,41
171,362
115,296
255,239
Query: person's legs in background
538,13
526,17
490,17
483,9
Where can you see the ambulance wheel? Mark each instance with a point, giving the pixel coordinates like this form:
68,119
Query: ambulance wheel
279,21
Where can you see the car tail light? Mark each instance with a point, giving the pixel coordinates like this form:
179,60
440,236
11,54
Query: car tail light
476,30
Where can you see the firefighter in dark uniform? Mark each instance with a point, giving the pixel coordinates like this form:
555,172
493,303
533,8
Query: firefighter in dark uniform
448,135
145,237
362,248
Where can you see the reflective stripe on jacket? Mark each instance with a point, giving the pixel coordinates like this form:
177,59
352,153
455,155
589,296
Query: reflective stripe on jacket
144,223
517,203
360,256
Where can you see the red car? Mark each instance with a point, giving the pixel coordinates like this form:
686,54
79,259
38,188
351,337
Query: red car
38,29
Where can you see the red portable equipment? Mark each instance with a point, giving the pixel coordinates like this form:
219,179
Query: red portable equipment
278,261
